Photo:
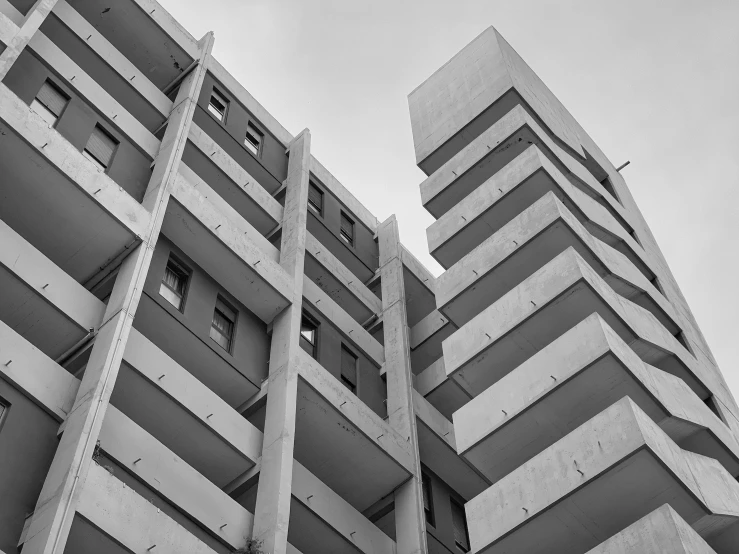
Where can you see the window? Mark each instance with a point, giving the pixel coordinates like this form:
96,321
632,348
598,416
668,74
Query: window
315,199
218,105
459,522
309,334
253,140
224,322
100,148
3,409
173,284
428,503
50,103
347,229
348,369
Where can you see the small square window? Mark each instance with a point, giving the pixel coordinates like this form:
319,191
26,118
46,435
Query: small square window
428,503
100,148
50,103
315,199
459,522
218,105
347,229
174,283
309,335
223,325
348,369
253,140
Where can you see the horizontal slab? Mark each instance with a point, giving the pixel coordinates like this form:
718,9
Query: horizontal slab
572,379
610,472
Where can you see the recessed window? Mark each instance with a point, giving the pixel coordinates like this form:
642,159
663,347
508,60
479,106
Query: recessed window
315,199
348,369
174,283
223,325
218,105
309,334
459,522
100,148
428,503
50,103
253,140
347,229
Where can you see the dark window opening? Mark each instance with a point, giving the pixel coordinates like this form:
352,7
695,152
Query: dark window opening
309,335
100,148
347,229
608,185
50,103
222,327
348,369
459,522
657,285
682,339
174,283
3,409
711,403
315,199
253,140
428,503
218,105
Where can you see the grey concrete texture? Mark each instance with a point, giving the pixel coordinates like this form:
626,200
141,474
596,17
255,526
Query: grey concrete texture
600,478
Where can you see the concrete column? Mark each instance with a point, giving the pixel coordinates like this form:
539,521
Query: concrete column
410,524
272,514
35,17
59,497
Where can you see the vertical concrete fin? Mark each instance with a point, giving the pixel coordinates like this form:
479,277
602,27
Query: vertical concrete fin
35,17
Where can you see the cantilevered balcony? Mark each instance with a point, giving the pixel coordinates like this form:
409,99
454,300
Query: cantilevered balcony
610,472
569,381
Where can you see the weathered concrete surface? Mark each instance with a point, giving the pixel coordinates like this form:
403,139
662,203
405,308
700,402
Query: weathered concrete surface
544,306
600,478
565,384
17,43
661,531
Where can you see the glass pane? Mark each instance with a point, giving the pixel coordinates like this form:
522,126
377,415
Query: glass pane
170,296
174,280
252,143
222,341
222,324
215,111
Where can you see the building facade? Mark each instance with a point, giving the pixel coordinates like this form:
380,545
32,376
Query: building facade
206,340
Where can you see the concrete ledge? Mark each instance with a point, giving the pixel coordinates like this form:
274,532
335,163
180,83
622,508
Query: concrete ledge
611,471
130,519
170,26
659,532
426,337
543,307
565,384
8,29
443,393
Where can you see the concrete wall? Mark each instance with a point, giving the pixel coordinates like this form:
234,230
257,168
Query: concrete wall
27,444
129,167
270,169
371,389
180,334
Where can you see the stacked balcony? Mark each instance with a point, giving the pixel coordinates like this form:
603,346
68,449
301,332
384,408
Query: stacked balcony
567,376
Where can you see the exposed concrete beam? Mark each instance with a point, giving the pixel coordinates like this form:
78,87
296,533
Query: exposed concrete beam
59,496
410,522
418,269
344,323
8,28
15,46
431,378
427,327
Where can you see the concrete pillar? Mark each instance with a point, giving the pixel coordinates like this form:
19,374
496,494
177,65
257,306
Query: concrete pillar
56,506
35,17
410,524
272,514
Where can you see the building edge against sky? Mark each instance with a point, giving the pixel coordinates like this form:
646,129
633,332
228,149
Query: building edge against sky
205,337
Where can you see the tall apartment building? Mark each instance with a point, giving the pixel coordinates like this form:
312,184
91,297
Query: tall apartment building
206,338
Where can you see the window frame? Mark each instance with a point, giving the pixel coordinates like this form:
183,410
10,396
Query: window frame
346,239
90,156
61,93
317,210
221,98
427,494
186,272
260,135
454,503
232,339
352,387
305,316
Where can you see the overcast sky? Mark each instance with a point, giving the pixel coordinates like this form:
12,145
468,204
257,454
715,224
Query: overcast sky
653,82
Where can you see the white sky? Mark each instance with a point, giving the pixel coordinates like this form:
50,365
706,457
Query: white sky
653,82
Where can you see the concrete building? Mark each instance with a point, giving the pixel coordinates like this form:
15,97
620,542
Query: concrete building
205,338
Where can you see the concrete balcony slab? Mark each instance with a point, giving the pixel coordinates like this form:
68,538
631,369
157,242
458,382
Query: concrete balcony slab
663,530
57,200
541,309
599,479
221,248
568,382
508,193
335,431
426,338
527,243
443,393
